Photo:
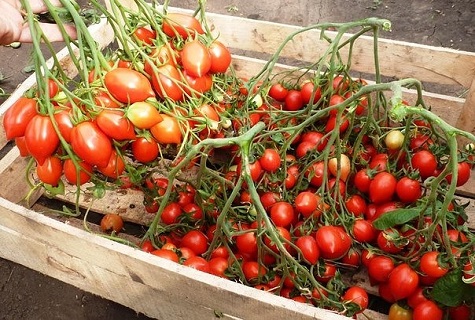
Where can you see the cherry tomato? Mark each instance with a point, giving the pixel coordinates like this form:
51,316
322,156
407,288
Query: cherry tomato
197,85
253,270
357,295
50,171
41,138
403,282
270,160
386,241
425,162
143,115
167,131
91,144
309,248
461,312
431,266
427,310
356,205
247,243
166,254
340,166
293,100
282,214
65,125
198,263
382,187
195,58
181,24
171,213
145,150
362,180
306,203
220,57
332,241
394,140
278,92
408,190
196,241
218,266
380,267
416,297
308,90
316,173
127,85
363,231
397,312
112,222
17,117
463,174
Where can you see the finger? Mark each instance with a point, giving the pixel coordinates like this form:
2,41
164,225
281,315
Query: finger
51,31
38,6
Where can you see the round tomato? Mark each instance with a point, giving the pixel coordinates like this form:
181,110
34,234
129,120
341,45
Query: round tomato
362,180
181,24
308,90
427,310
463,173
461,312
253,270
356,295
198,263
382,187
278,92
112,222
363,231
356,205
282,214
143,115
218,266
431,266
394,140
306,203
171,213
41,138
403,282
425,162
397,312
293,100
247,243
333,242
416,297
50,171
17,117
195,58
387,241
166,254
325,272
145,150
197,85
308,247
167,131
340,166
79,175
380,267
127,85
167,82
91,144
196,241
408,190
270,160
316,173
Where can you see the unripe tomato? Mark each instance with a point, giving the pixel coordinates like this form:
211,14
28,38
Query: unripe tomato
397,312
394,140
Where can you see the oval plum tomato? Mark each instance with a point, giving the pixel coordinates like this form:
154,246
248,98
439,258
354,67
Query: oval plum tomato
340,83
115,125
308,90
425,162
50,171
382,187
196,241
293,100
333,242
427,310
340,166
380,267
408,190
21,145
316,173
220,57
115,167
218,266
91,144
397,312
282,214
356,205
356,295
309,248
363,231
181,24
291,177
270,160
278,92
334,121
317,138
167,82
104,100
166,254
112,222
284,236
431,266
167,131
145,150
195,58
41,138
197,85
17,117
65,125
198,263
403,282
362,180
145,35
463,174
247,243
335,100
143,115
306,203
379,162
252,270
75,176
127,85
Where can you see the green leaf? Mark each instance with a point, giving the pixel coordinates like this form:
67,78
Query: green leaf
395,217
450,290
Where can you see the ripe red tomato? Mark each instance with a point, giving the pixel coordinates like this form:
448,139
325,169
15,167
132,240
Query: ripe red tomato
332,241
356,205
463,173
75,176
167,131
218,266
167,82
127,85
417,297
166,254
114,168
380,267
282,214
379,162
220,57
270,160
382,187
284,236
181,24
293,100
278,92
316,173
247,243
363,231
196,241
387,239
420,141
145,150
408,190
91,144
461,312
403,282
115,125
112,222
195,58
427,310
171,213
431,266
197,85
397,312
309,248
41,138
357,295
17,117
198,263
333,121
307,90
425,162
326,272
145,35
253,270
65,125
50,171
362,180
143,115
306,203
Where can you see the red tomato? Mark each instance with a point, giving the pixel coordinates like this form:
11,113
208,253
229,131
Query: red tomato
425,162
278,92
197,85
145,150
306,203
382,187
284,236
17,117
335,100
379,162
181,24
253,270
380,267
334,121
247,243
428,310
269,198
463,174
195,58
362,180
198,263
65,125
417,297
333,242
91,144
75,175
282,214
218,266
270,160
127,85
171,213
308,90
193,211
167,82
326,272
431,266
403,282
104,100
50,171
114,168
386,241
21,145
40,138
115,125
145,35
408,190
166,254
357,295
363,231
316,173
356,205
220,57
143,115
309,248
196,241
461,312
112,222
293,100
167,131
317,138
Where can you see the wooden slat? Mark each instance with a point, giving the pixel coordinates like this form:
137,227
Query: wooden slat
156,287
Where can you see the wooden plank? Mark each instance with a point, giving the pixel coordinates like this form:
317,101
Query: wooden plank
466,119
101,266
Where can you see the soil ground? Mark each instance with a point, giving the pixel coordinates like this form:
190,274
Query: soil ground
25,294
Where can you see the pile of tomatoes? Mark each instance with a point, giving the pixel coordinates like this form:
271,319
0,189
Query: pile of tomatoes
298,181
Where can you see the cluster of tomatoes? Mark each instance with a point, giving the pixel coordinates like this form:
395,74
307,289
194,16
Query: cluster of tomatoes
300,182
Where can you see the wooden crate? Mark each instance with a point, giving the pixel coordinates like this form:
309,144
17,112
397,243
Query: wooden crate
161,289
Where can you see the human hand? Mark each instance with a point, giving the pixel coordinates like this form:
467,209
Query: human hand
13,27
